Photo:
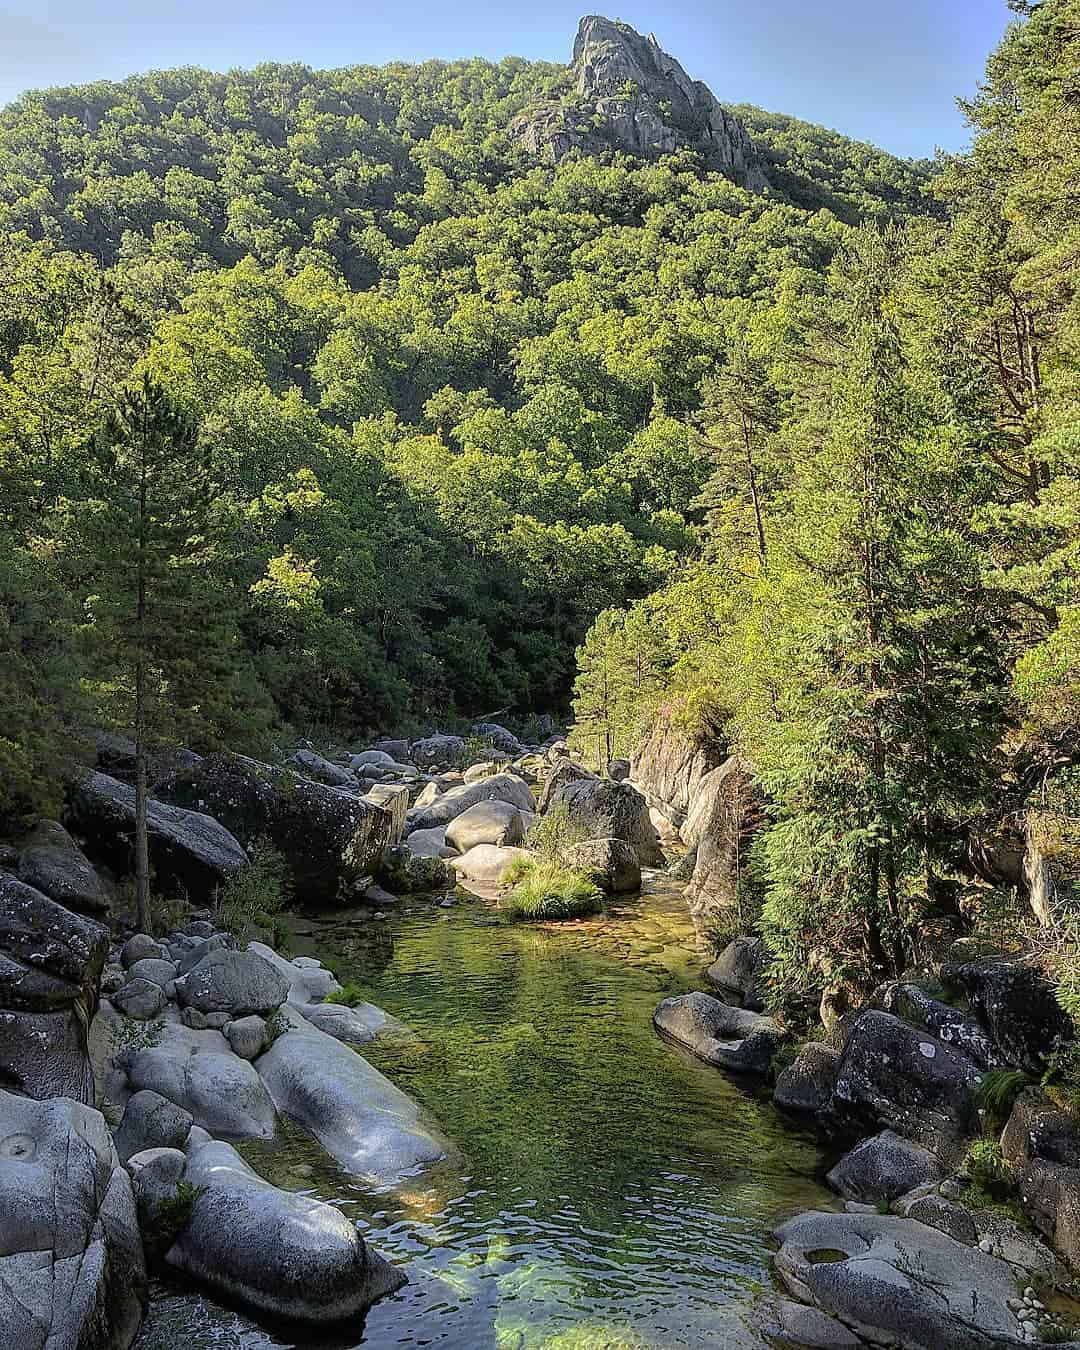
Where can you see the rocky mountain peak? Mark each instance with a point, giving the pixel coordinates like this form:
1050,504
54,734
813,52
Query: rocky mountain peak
630,95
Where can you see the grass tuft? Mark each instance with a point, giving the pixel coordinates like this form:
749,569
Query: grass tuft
547,890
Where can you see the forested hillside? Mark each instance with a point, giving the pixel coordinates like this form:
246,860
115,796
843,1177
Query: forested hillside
441,403
883,616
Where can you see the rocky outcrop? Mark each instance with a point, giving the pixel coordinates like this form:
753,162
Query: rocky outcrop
1016,1005
669,764
630,95
285,1255
729,1038
189,851
884,1168
332,839
50,964
600,809
71,1261
948,1024
52,862
446,806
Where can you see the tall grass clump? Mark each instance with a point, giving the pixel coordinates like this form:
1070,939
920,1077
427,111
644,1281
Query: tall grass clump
543,889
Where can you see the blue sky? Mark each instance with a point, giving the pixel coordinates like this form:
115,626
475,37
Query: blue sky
886,71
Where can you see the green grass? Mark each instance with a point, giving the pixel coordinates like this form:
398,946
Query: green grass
997,1093
547,890
350,997
986,1166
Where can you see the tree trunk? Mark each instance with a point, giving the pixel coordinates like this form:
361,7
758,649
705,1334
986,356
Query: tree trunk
142,849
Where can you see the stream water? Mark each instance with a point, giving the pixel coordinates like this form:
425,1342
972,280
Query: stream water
615,1194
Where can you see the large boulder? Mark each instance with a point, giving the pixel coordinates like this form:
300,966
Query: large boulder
313,765
151,1121
883,1168
738,973
307,983
237,983
1042,1141
362,1120
725,813
430,843
439,748
71,1262
190,851
611,864
197,1071
50,967
948,1024
897,1282
332,839
404,872
488,863
669,765
597,808
499,738
563,771
52,862
285,1255
894,1075
729,1038
1017,1006
500,787
806,1086
491,822
393,798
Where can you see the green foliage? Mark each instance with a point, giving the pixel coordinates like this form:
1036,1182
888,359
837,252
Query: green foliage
988,1169
351,995
171,1216
130,1036
997,1094
255,895
552,833
548,890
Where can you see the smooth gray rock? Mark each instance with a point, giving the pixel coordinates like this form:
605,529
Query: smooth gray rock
331,838
729,1038
190,851
503,787
282,1254
51,961
306,983
198,1071
601,809
141,1000
806,1087
611,864
201,948
154,969
499,738
141,947
72,1275
896,1281
232,982
738,973
322,770
248,1036
430,843
811,1329
370,1126
883,1168
488,863
151,1121
491,822
52,862
437,749
358,1025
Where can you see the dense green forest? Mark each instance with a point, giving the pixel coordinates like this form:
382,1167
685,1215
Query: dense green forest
444,401
387,415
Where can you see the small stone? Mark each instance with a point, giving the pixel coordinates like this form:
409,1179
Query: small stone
140,1000
141,947
247,1036
217,1021
985,1245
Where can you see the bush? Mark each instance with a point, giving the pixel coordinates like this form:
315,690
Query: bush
986,1166
547,890
350,997
553,833
255,895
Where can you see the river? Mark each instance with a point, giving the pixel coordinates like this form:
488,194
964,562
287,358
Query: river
616,1194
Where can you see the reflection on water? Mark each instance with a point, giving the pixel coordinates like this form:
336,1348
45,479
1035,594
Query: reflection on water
617,1195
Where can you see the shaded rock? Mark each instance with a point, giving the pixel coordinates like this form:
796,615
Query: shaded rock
499,738
151,1121
282,1254
730,1038
606,810
502,787
430,843
1017,1006
811,1329
806,1087
437,749
618,770
738,973
725,814
306,983
487,863
154,969
564,771
407,873
1038,1128
392,798
883,1168
1050,1194
198,1071
322,770
488,822
371,1127
51,862
396,750
141,947
669,765
894,1075
948,1024
332,839
51,961
202,949
356,1025
379,759
611,864
189,850
248,1036
72,1275
379,898
231,982
898,1282
139,999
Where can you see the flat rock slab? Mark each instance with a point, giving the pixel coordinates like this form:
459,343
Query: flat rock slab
897,1282
372,1128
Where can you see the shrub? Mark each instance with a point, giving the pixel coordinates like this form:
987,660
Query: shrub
351,996
255,895
553,833
171,1217
986,1166
547,890
997,1093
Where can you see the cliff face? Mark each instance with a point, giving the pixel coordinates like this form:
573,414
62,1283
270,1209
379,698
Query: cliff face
630,95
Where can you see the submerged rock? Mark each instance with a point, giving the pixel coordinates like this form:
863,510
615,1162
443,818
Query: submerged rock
282,1254
71,1261
730,1038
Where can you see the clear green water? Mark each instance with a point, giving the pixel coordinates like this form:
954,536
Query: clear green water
615,1193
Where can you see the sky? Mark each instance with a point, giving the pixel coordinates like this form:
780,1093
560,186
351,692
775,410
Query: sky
886,71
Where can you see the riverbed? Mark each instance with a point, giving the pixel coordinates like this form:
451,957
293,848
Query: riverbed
613,1193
